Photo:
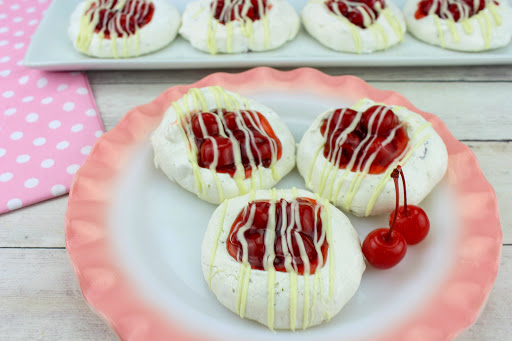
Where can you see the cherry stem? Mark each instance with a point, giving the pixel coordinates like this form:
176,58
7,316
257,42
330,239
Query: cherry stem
394,175
405,190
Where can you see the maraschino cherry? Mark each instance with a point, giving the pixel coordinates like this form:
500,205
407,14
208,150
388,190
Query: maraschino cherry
383,247
412,222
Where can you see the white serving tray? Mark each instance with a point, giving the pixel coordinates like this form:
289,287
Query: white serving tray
51,49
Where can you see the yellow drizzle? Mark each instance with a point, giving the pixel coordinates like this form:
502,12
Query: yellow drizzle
305,313
243,288
328,233
287,223
439,30
330,169
214,251
495,15
481,18
370,22
242,17
269,256
231,103
395,24
294,291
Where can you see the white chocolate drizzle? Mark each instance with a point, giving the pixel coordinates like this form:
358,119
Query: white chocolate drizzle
91,18
217,238
369,22
468,18
368,14
241,16
229,102
331,183
288,222
464,8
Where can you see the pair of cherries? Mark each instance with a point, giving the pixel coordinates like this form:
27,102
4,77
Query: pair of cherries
409,224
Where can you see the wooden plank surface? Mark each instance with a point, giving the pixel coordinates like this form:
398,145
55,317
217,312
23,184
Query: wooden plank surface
460,105
40,299
44,302
386,74
40,225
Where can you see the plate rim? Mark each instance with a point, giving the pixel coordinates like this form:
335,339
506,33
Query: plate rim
108,291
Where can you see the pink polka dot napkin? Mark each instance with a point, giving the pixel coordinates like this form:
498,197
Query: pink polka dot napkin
48,120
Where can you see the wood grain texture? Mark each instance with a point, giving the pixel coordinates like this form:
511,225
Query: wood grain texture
40,299
40,225
460,105
387,74
44,302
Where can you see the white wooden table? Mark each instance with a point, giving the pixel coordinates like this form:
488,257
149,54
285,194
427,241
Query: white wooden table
39,295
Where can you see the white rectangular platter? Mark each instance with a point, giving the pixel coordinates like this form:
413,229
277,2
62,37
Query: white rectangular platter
51,49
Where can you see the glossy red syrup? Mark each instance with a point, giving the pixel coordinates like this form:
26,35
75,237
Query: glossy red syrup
425,6
135,13
248,128
352,12
379,132
255,235
236,10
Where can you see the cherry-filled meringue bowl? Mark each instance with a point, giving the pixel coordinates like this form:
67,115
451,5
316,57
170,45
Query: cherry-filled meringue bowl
308,290
139,28
351,174
219,26
354,26
471,25
250,148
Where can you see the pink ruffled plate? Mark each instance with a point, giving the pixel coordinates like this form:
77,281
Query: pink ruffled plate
134,237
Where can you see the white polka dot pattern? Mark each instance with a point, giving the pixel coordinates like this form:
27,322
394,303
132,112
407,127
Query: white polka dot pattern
14,204
23,158
58,190
39,141
6,177
47,163
48,121
32,117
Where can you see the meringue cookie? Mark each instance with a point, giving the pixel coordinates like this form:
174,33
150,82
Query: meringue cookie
280,24
175,156
159,32
424,164
293,300
490,28
338,33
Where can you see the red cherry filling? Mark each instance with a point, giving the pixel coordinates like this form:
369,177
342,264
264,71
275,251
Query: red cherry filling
123,21
356,10
450,9
368,141
226,11
222,137
297,226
